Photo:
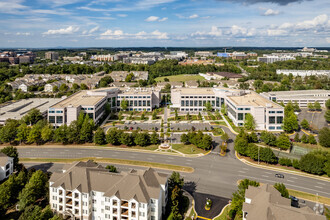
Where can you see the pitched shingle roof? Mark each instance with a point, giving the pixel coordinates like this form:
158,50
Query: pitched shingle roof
87,176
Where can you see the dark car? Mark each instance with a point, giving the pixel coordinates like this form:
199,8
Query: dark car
278,175
294,198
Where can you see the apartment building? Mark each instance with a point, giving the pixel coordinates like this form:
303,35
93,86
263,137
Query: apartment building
49,87
6,166
266,203
92,102
267,114
302,97
86,191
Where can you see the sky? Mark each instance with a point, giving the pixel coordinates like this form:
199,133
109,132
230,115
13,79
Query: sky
164,23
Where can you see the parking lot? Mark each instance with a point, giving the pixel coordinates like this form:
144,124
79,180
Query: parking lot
316,119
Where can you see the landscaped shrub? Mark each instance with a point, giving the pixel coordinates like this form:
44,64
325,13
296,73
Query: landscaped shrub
285,162
295,163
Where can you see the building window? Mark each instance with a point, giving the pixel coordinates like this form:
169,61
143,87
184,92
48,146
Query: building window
51,119
240,108
279,128
59,111
153,217
271,112
153,209
59,119
247,109
114,202
279,112
240,116
279,120
271,128
142,214
272,120
51,111
107,208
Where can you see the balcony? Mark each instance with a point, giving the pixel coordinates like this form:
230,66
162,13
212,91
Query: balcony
124,212
69,202
68,194
124,203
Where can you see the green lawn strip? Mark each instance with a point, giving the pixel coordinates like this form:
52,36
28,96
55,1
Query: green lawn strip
224,214
232,124
188,149
150,147
217,131
311,146
113,161
180,78
184,118
309,196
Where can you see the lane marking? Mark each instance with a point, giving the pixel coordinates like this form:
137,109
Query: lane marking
292,177
319,187
290,181
241,171
265,176
320,183
245,169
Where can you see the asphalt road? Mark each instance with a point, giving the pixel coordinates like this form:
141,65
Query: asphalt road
213,174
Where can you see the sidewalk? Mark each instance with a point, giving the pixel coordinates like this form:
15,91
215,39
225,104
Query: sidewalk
229,126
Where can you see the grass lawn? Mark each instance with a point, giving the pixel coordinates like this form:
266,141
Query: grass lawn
150,147
188,149
309,196
183,118
181,78
146,118
312,146
232,124
113,161
224,215
219,123
217,131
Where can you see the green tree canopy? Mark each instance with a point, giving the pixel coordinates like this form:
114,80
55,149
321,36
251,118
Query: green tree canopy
324,137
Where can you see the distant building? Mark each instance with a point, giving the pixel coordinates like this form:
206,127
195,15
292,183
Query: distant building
204,53
73,59
304,72
23,87
272,58
220,75
191,84
50,86
86,190
6,166
302,97
266,203
239,55
225,55
51,55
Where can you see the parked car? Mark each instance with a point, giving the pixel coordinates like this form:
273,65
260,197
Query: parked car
278,175
294,198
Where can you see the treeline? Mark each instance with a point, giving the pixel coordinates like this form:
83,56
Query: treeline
203,141
28,189
315,162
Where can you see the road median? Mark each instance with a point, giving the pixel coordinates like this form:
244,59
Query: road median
113,161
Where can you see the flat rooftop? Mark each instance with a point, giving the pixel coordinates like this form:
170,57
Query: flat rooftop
79,99
16,110
299,93
138,91
253,99
196,91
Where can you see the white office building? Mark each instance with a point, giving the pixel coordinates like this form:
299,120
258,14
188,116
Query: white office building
6,166
304,72
272,58
267,114
87,191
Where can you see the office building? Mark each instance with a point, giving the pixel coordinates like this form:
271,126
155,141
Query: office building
6,166
51,55
267,114
302,97
204,53
272,58
86,191
92,102
266,203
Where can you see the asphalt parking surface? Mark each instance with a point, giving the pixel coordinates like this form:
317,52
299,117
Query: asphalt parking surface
217,205
316,119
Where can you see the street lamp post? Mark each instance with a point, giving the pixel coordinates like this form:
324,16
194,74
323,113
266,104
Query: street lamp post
258,153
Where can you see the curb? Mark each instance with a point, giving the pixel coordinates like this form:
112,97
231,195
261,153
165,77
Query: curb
282,170
223,209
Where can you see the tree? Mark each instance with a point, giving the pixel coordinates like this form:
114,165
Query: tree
206,142
55,89
63,87
73,131
312,163
225,137
143,117
283,142
290,123
324,137
282,189
36,188
268,138
188,116
154,138
296,137
83,86
296,107
175,180
9,131
327,115
113,137
47,133
267,155
249,122
176,116
310,106
241,145
208,106
288,109
327,104
86,132
184,139
60,134
111,168
129,77
257,84
99,137
33,116
124,104
75,86
311,139
304,138
317,106
252,137
154,115
11,151
304,124
22,133
142,139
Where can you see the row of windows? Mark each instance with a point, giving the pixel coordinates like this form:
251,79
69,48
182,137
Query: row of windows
279,119
273,112
196,103
191,109
87,108
198,97
134,97
52,111
59,119
246,109
137,103
273,127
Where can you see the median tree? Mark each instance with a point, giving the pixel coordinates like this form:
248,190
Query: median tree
99,137
324,137
225,137
282,189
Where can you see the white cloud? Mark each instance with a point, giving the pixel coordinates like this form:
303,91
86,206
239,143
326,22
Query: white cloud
152,18
57,3
122,15
68,30
94,29
271,12
12,6
276,32
155,18
320,20
119,34
94,9
327,40
163,19
193,16
23,33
